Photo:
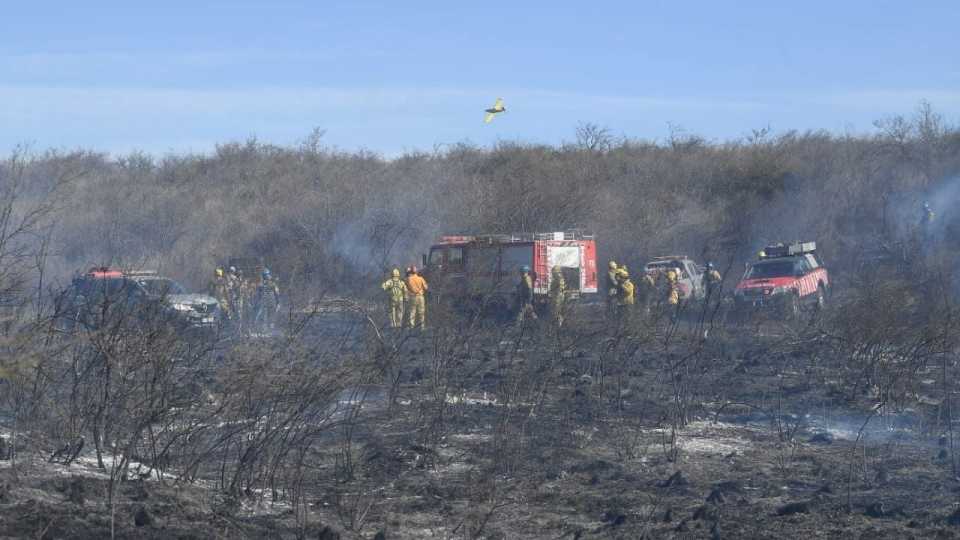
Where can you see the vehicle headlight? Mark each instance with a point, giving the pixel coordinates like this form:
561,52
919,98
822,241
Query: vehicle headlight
182,307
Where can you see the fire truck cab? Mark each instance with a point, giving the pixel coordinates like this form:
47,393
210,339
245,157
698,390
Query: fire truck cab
785,276
484,268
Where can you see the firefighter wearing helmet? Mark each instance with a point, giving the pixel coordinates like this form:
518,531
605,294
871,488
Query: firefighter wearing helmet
417,290
673,287
524,296
625,289
611,286
646,289
558,291
219,288
235,288
711,281
928,214
266,301
926,222
396,291
626,295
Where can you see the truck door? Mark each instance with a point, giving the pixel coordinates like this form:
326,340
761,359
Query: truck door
455,260
512,258
435,262
481,264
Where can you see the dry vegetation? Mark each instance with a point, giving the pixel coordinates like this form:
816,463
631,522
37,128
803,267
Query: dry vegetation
839,424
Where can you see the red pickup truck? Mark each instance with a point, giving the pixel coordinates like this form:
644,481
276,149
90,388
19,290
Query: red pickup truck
785,277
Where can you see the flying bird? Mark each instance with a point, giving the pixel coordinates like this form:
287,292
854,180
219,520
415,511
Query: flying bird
492,111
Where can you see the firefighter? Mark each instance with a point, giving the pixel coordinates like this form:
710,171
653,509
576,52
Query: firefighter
928,215
235,286
220,289
396,293
611,286
711,281
926,222
558,291
417,289
524,296
626,294
245,292
266,300
673,288
645,291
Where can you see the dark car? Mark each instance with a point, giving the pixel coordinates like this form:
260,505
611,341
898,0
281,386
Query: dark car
106,296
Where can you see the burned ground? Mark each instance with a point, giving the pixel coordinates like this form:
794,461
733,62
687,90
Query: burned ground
483,431
840,424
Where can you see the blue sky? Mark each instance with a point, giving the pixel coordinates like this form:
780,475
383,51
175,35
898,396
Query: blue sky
179,76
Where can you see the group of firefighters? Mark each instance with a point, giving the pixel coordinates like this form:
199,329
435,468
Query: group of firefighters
246,303
524,295
406,295
660,286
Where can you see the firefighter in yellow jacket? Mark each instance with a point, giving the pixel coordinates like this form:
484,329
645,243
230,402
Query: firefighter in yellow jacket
396,291
558,291
626,294
612,286
625,289
220,289
417,289
673,288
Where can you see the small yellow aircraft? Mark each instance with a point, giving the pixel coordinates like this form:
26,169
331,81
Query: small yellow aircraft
492,111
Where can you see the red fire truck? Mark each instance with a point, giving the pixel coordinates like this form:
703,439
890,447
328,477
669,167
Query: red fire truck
485,268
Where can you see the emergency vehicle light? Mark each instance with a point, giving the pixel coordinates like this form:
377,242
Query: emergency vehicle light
139,273
788,250
574,234
104,272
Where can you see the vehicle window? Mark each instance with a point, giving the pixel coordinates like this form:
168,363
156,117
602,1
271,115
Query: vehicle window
482,261
160,287
103,290
455,256
115,288
133,291
771,269
436,257
83,287
812,261
514,257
